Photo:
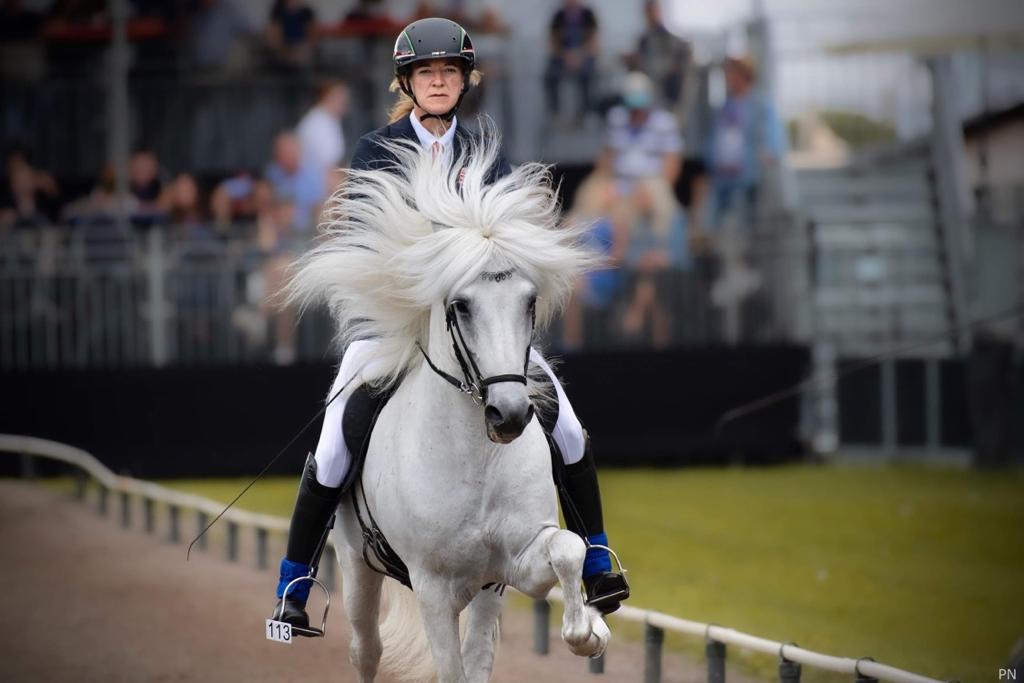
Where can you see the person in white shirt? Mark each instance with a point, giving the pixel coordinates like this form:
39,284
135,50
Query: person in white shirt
643,156
320,133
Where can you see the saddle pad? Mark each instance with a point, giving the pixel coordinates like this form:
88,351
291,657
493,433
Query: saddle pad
361,413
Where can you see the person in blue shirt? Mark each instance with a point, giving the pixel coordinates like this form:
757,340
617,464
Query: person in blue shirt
434,66
745,134
289,174
574,50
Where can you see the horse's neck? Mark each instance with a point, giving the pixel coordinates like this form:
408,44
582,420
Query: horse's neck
443,410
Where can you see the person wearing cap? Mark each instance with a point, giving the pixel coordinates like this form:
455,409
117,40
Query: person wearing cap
434,66
641,161
746,134
643,154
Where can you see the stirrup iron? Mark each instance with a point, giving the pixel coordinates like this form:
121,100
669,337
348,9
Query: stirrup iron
283,632
618,596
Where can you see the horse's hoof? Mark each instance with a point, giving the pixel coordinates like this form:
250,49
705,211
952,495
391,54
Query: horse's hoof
597,641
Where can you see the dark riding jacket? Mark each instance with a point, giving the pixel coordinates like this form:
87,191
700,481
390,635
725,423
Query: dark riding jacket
371,155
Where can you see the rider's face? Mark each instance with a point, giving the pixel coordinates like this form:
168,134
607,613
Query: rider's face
436,84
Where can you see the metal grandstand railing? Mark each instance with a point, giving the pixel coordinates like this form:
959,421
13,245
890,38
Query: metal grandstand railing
791,657
96,296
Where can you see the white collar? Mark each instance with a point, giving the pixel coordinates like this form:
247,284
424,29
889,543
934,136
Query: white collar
427,139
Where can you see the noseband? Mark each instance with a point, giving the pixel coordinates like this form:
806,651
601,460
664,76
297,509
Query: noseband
474,383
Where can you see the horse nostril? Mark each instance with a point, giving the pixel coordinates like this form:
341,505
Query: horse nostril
493,416
529,415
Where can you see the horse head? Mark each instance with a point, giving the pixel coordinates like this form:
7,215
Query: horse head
490,321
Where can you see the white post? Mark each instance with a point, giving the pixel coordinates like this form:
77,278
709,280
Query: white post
156,305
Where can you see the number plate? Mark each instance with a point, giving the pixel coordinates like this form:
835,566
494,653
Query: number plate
279,631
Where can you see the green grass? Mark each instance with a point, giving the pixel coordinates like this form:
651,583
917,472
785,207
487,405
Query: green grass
918,567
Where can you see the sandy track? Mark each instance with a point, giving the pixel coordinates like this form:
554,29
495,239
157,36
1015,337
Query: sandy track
88,601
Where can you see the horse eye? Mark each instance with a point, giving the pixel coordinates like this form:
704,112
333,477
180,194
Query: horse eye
461,307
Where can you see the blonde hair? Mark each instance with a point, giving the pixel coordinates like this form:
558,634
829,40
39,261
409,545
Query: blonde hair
401,108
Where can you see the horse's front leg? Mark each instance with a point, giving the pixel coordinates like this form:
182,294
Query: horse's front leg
361,591
481,636
583,629
563,552
440,606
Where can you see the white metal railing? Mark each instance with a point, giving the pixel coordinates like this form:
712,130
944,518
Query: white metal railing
149,493
656,624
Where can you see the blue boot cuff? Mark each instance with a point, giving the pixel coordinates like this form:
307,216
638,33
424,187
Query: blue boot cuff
290,571
598,559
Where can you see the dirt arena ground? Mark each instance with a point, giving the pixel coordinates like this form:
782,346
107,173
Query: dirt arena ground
89,601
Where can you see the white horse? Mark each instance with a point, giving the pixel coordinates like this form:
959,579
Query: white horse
461,488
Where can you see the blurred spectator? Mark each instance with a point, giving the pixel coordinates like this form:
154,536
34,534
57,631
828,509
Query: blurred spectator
573,41
321,138
664,57
238,199
490,21
597,290
651,258
292,176
643,154
102,205
145,186
640,165
181,204
28,197
290,34
218,35
746,134
144,177
277,241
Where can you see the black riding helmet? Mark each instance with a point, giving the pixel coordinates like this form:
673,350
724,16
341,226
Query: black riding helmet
433,38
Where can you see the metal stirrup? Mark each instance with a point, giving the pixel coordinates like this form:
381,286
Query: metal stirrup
310,631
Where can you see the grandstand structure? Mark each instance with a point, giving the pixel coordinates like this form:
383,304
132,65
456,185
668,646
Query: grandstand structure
890,250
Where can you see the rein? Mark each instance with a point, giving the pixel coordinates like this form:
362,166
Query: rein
474,383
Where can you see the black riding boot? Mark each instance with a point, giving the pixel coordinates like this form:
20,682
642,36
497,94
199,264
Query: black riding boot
580,497
314,509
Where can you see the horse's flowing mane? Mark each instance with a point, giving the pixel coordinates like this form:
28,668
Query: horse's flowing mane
396,242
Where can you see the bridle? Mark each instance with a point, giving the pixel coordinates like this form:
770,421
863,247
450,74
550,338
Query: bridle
474,383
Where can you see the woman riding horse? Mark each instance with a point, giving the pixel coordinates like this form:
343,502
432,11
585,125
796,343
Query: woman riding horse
434,66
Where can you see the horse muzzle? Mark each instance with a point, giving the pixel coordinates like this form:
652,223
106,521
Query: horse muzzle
506,419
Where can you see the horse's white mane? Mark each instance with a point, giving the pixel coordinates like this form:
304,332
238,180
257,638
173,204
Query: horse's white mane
396,242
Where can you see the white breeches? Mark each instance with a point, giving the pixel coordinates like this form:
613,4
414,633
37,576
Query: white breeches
333,458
